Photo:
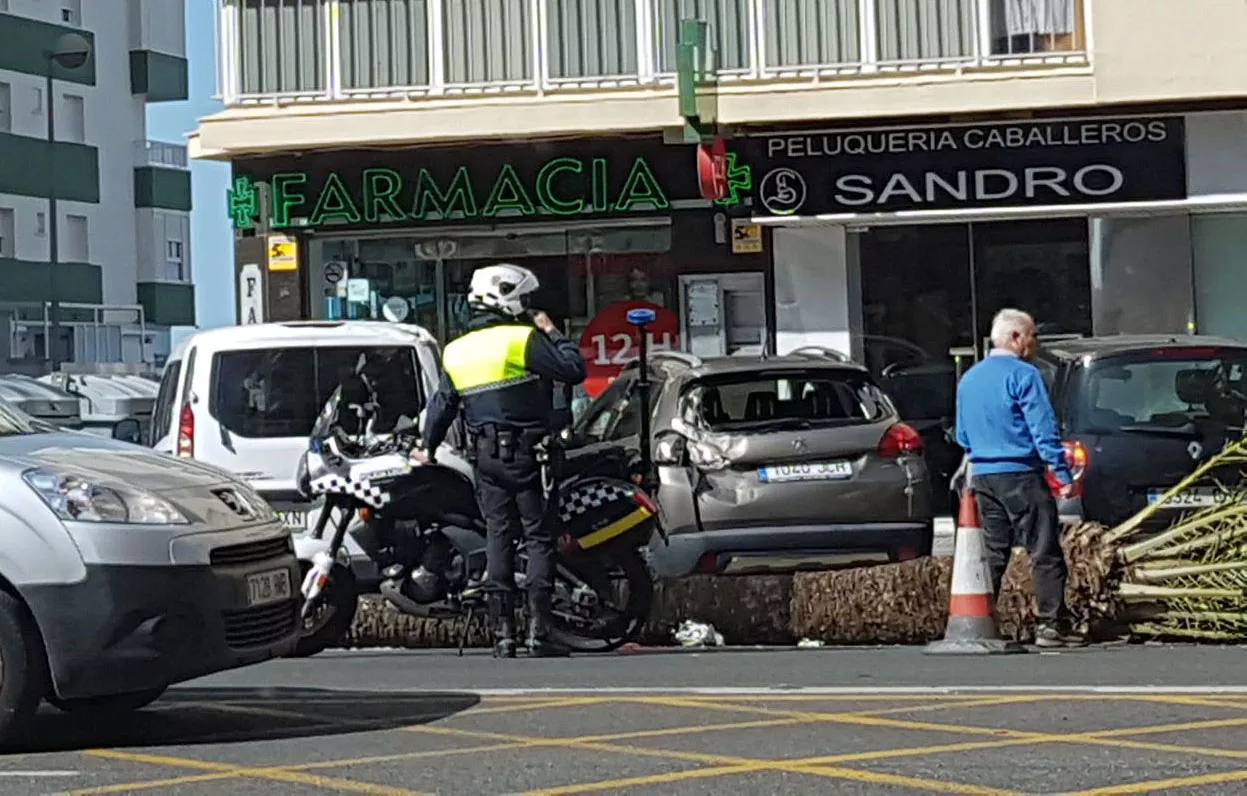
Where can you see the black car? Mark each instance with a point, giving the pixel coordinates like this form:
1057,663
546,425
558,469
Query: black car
1140,413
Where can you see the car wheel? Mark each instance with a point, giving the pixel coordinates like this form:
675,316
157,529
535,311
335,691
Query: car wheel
108,705
24,677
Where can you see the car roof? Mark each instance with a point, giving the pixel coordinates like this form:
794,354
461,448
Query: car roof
305,333
693,367
1109,345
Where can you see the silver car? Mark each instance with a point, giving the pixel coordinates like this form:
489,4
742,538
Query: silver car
124,571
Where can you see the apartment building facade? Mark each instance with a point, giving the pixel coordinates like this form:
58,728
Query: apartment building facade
119,274
883,174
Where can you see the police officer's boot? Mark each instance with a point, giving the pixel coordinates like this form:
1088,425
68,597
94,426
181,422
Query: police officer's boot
502,620
540,642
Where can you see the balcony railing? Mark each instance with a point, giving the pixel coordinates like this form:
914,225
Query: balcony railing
335,49
160,153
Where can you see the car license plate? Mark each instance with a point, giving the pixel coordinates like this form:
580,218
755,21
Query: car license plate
1197,497
264,588
295,519
809,471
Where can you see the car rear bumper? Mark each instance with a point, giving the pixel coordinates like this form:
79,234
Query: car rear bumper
791,548
127,628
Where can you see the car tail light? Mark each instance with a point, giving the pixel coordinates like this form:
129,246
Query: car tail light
186,432
644,501
708,564
898,439
1076,459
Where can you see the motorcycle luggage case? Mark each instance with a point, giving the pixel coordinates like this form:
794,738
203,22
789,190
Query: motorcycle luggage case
601,511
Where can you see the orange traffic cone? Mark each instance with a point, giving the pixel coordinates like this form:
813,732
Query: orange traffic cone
971,628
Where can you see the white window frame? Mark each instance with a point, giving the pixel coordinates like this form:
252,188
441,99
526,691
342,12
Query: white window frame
86,243
8,233
6,107
64,120
71,12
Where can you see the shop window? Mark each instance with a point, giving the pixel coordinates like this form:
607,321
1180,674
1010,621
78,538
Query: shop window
1142,275
1220,278
1042,267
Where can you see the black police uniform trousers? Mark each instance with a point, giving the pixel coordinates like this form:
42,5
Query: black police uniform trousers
508,491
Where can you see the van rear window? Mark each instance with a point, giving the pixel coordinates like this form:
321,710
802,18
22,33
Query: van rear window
1166,391
279,392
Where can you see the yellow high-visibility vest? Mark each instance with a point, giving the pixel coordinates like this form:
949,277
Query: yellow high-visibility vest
492,358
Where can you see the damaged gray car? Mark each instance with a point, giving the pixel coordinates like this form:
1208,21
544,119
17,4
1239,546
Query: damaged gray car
769,464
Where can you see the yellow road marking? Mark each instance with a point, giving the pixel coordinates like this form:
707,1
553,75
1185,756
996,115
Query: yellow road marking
571,702
1165,784
130,787
250,772
723,764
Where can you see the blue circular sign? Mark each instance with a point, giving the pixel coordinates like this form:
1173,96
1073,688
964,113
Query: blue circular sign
641,316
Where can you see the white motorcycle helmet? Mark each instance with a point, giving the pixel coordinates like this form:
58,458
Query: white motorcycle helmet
504,287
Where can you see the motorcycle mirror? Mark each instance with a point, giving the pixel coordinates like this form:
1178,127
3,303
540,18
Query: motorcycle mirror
640,317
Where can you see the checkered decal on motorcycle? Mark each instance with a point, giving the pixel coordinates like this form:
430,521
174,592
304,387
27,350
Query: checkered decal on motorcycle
364,490
584,499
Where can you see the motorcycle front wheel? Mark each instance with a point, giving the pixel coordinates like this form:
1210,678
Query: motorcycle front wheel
616,620
332,618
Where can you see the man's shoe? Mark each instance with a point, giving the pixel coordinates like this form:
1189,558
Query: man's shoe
502,619
1051,635
540,644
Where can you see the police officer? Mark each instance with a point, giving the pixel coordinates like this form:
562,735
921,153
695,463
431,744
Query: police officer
499,374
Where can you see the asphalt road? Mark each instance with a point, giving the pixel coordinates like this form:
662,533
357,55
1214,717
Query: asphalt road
1099,720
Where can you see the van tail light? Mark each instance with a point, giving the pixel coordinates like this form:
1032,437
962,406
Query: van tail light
186,433
900,438
1076,458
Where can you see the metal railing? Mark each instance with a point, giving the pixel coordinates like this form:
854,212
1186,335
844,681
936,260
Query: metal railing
308,50
160,153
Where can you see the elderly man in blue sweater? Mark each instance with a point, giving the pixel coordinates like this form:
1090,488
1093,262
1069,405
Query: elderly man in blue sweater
1008,429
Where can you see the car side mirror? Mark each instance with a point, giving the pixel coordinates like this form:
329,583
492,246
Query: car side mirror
128,430
670,448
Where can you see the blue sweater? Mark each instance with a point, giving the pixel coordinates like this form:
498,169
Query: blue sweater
1005,419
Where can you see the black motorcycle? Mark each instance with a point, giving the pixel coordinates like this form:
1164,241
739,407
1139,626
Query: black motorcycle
422,527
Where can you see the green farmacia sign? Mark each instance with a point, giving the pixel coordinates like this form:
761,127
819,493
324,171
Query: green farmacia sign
564,186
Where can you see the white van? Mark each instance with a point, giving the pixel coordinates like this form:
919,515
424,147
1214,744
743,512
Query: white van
244,398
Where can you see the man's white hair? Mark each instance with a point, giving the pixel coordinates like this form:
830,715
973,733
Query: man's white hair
1007,323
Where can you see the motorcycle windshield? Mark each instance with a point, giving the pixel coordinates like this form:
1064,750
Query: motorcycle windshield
323,426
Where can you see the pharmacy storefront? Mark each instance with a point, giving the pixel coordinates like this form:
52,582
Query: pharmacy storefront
916,236
605,224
